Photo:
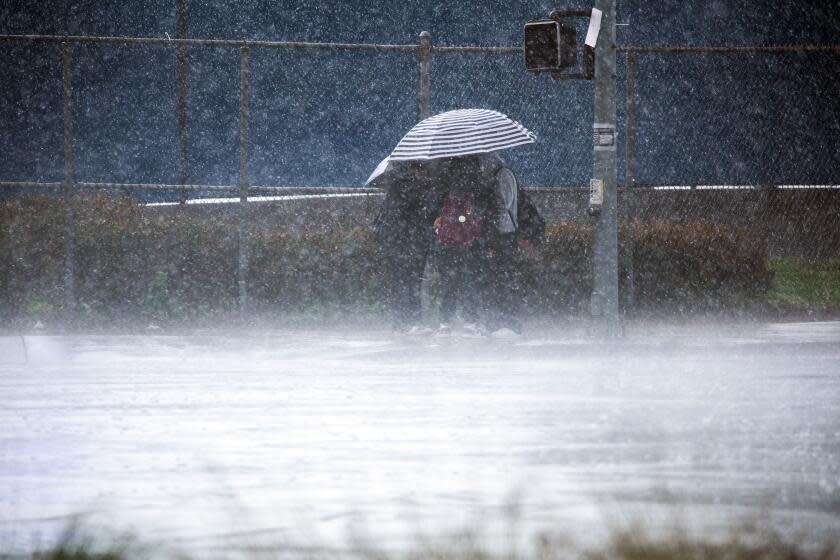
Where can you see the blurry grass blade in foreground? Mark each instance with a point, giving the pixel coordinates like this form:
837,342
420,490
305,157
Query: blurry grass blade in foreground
634,543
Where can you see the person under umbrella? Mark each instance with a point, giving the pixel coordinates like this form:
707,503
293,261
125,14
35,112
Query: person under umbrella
466,211
454,138
516,223
403,229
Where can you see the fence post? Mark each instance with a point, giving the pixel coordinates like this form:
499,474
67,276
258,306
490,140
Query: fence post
242,269
424,111
68,184
629,193
424,82
181,33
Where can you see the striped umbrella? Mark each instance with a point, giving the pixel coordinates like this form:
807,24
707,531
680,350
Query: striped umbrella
460,133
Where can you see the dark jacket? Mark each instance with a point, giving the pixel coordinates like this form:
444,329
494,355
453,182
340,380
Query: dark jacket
531,224
463,175
403,226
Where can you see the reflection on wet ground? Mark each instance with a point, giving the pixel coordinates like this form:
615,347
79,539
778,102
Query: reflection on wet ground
302,436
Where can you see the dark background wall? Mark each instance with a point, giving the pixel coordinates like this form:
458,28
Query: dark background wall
327,118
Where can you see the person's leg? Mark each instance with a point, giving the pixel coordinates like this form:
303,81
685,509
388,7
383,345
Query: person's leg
469,285
485,274
473,286
447,261
507,292
398,285
405,282
413,303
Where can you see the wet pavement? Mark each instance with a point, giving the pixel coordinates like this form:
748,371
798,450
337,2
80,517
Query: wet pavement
320,436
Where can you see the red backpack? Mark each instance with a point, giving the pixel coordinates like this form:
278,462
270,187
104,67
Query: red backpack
459,220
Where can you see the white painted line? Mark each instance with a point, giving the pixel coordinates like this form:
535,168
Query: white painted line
234,200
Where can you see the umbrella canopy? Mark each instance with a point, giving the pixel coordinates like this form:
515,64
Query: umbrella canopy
389,171
380,169
460,133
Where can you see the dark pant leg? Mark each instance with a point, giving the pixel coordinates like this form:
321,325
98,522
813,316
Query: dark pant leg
446,270
502,284
413,303
451,270
405,281
473,280
397,288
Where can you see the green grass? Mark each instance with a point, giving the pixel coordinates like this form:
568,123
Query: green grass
805,285
744,545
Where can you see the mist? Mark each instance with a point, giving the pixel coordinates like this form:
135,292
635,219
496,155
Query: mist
391,281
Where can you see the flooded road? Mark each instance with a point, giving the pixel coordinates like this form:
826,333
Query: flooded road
324,436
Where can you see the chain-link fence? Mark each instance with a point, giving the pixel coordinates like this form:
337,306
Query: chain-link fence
288,119
746,136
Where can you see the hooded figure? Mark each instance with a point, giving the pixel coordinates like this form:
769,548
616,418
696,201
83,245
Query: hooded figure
467,210
516,222
404,231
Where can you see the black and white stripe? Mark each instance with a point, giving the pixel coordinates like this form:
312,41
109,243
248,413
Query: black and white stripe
459,133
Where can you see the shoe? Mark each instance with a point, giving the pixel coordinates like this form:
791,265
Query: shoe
418,330
505,334
475,329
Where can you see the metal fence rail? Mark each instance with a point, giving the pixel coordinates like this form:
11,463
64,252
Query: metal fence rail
228,43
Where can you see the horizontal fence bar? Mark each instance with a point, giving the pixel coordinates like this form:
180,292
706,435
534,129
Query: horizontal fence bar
314,189
362,189
648,187
29,185
239,43
281,198
707,188
154,186
468,49
777,49
806,187
230,43
178,186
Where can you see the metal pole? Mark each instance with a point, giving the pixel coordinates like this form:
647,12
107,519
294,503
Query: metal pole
243,179
424,83
68,184
181,33
629,194
424,111
605,259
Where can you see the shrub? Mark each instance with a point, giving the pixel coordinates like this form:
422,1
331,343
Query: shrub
683,267
31,244
130,265
316,269
558,275
698,266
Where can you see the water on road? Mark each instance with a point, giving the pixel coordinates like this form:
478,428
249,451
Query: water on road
312,437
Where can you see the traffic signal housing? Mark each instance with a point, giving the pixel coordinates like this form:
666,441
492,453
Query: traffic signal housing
550,45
